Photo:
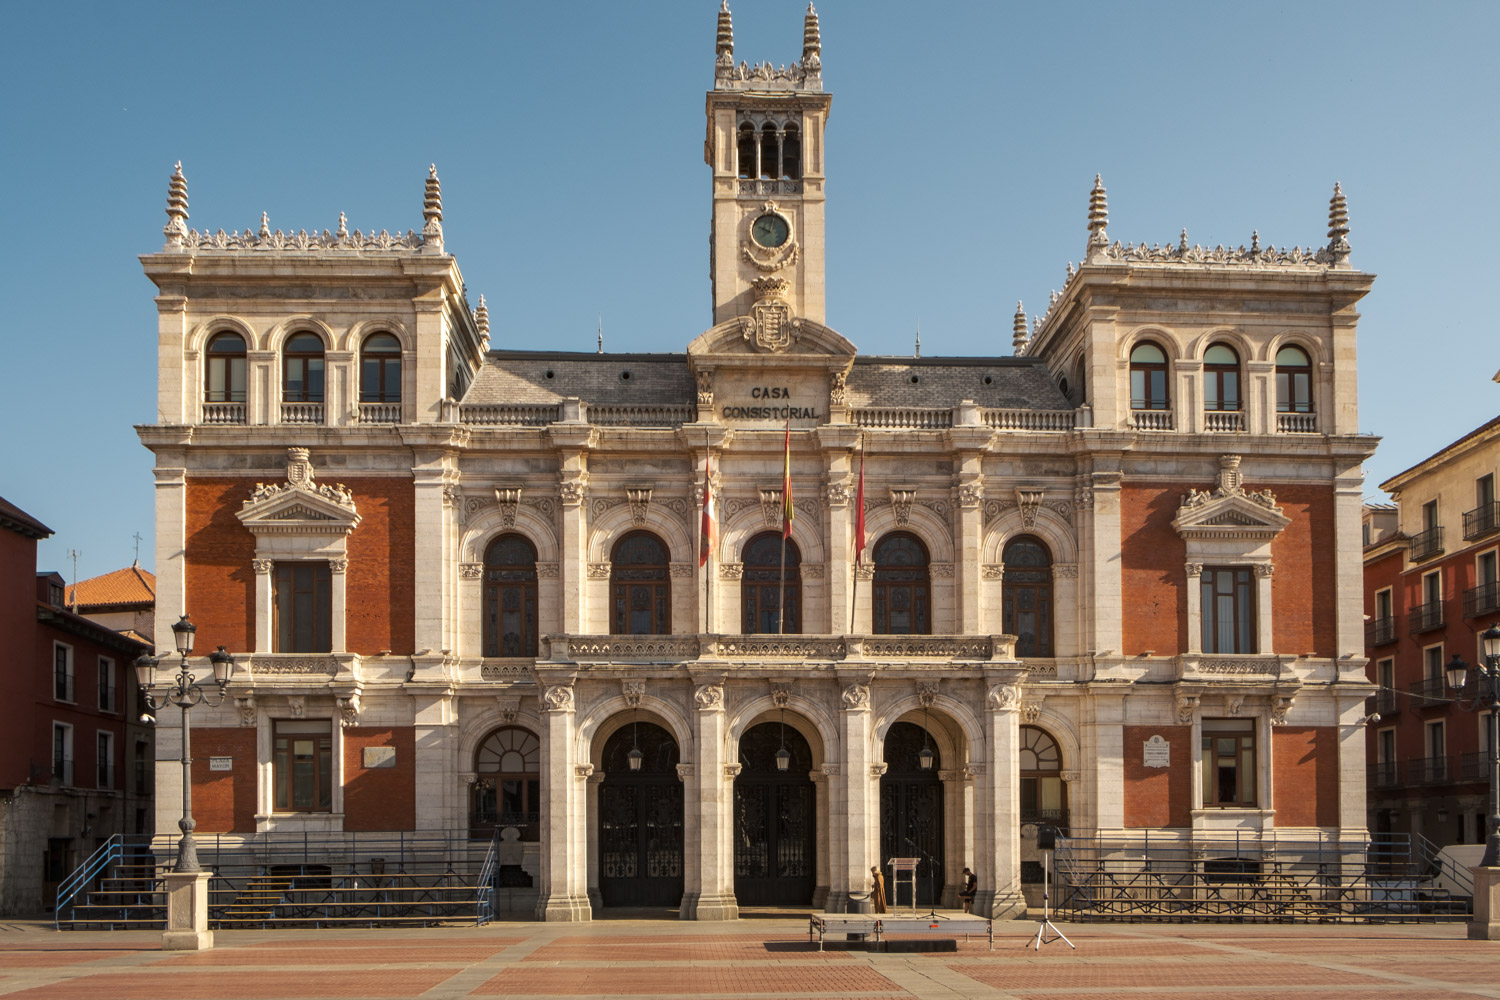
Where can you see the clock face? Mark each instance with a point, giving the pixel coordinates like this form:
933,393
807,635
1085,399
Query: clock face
770,230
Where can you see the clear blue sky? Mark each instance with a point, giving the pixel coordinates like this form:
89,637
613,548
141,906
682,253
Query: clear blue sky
961,148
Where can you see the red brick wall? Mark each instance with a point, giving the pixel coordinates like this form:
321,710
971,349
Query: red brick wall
381,588
1304,588
220,582
1305,770
380,798
379,592
1152,557
224,801
1158,797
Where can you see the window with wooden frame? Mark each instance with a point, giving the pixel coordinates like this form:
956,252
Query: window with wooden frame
1228,609
380,369
107,685
1293,381
302,369
1229,763
902,591
510,597
303,603
1221,378
640,586
1148,378
62,672
302,765
224,374
765,581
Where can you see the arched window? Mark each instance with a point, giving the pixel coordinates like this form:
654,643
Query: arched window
225,378
640,586
1040,766
508,783
761,585
302,369
1148,378
1221,378
1293,381
510,597
1027,596
770,152
902,602
791,154
746,149
380,369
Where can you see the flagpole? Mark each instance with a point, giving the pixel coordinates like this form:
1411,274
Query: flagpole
708,562
786,527
859,513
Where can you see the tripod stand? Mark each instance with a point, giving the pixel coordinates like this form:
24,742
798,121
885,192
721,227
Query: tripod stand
1042,933
932,913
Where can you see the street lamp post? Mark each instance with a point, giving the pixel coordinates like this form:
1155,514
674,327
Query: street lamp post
185,693
1486,680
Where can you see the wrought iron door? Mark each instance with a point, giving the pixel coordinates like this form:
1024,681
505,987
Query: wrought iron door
911,812
774,821
640,820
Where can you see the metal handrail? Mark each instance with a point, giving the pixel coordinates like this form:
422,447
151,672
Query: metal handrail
96,864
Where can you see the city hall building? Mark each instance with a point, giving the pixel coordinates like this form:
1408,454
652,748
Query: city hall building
1111,582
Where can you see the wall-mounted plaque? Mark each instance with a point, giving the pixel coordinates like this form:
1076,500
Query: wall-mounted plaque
221,763
380,756
1157,752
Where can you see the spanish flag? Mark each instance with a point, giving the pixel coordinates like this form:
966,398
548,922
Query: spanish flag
787,510
706,541
859,510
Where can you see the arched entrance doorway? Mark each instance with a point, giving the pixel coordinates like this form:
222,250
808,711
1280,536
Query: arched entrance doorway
640,820
774,820
911,809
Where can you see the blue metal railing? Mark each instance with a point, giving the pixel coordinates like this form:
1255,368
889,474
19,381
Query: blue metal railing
484,908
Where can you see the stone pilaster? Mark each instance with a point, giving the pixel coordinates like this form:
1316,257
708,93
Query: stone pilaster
861,832
999,863
710,801
562,895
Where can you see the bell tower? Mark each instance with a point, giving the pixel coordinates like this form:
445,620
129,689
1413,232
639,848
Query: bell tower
765,145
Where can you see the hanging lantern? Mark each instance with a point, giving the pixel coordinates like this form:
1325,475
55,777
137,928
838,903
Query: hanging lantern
783,756
925,756
635,757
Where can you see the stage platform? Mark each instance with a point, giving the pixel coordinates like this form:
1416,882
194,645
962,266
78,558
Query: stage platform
881,925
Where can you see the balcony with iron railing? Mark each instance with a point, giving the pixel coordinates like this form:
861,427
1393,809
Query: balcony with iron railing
1425,544
1424,617
106,775
1427,693
1385,774
1482,600
62,770
1385,702
1474,766
1380,631
1431,770
1482,521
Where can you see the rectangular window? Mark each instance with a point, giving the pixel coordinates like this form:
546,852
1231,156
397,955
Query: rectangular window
1228,762
105,758
62,672
303,766
1432,665
1484,568
1484,490
1383,607
1432,588
304,607
1436,768
1385,746
62,753
1429,515
1228,609
107,685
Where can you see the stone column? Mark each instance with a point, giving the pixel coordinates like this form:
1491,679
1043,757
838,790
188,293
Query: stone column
263,597
710,802
837,862
958,845
838,442
562,895
338,572
171,541
860,843
968,439
430,515
819,779
999,869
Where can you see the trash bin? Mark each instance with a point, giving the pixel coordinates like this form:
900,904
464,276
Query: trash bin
859,902
377,866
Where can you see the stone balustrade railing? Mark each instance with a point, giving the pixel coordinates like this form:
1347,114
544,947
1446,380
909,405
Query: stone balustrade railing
668,648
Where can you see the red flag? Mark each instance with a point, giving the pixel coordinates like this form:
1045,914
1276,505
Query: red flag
787,511
859,510
706,541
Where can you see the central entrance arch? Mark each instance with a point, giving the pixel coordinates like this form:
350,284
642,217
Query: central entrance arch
911,809
640,820
774,820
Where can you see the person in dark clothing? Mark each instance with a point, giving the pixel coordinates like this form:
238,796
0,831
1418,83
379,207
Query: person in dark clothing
971,887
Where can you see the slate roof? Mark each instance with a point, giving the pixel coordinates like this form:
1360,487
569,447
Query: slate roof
20,522
131,585
617,379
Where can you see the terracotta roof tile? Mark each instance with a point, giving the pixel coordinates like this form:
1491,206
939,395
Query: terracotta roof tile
131,585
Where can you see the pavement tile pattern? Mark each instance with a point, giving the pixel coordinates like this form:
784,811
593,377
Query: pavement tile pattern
755,959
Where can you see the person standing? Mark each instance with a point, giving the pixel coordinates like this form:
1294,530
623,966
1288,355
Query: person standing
877,891
971,887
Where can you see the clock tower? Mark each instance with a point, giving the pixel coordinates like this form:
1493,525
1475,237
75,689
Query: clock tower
765,145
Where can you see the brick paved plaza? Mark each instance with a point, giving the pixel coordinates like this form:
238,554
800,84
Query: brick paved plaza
764,958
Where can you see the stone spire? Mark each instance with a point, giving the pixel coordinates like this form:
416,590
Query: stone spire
482,320
812,43
1018,330
432,212
1338,226
1098,216
917,347
724,43
177,208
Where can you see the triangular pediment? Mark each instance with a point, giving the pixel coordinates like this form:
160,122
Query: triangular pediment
304,510
1223,515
